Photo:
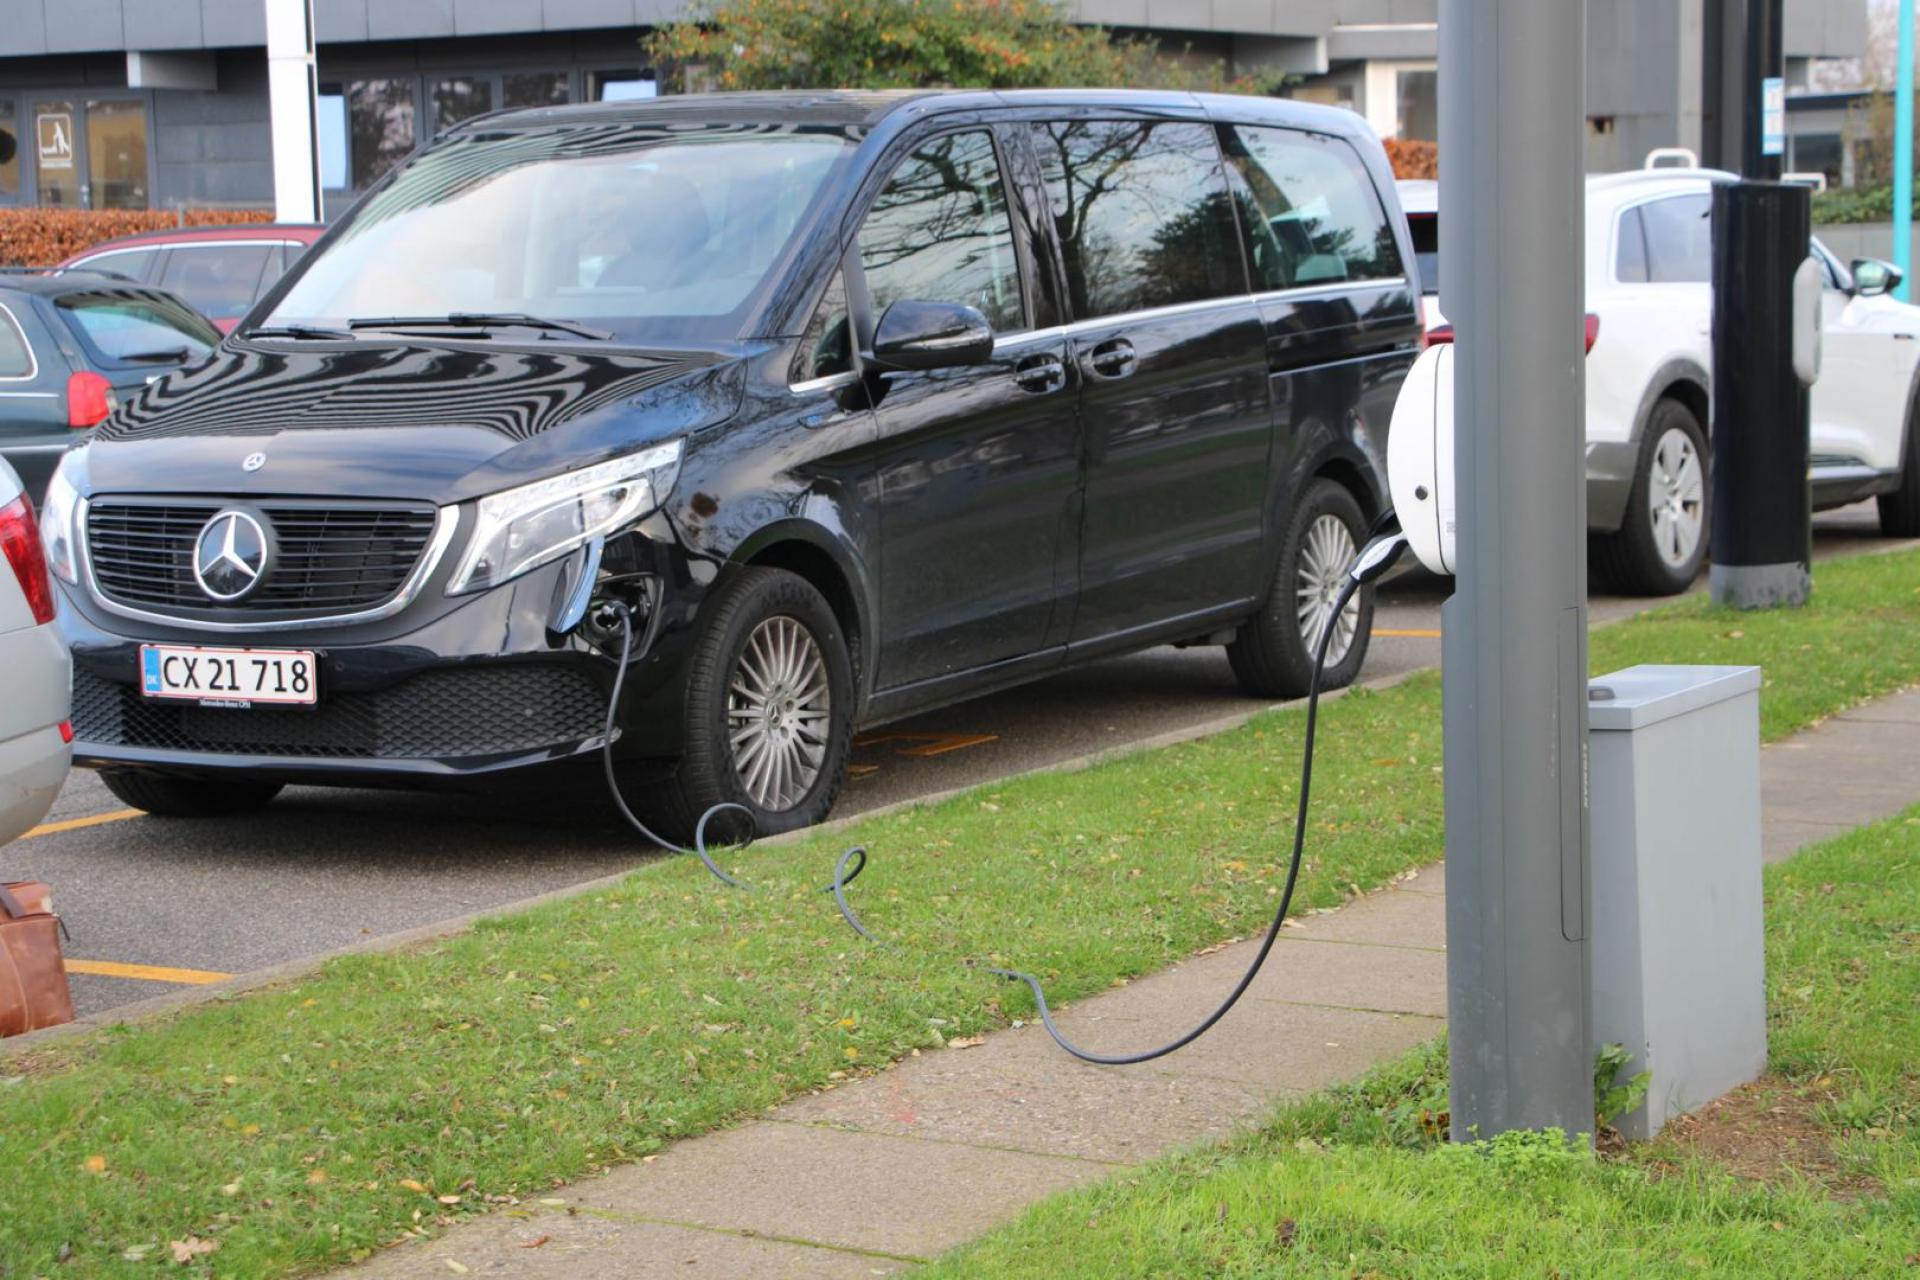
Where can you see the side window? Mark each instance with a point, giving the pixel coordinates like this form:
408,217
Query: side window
1141,214
1630,250
134,264
15,360
940,231
826,347
1679,239
1311,213
218,280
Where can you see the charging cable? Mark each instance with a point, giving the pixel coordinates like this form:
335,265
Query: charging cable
1379,555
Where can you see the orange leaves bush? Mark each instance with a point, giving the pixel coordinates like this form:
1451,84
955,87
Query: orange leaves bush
42,237
1412,159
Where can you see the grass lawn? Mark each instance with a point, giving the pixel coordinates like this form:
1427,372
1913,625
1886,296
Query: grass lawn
388,1094
1353,1183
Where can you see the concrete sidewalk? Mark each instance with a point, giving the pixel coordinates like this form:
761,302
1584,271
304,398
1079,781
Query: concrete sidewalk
870,1178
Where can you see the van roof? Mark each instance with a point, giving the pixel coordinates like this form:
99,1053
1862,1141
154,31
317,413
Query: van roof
854,107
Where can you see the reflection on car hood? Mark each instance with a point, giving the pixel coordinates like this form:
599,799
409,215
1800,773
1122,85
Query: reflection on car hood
245,390
453,421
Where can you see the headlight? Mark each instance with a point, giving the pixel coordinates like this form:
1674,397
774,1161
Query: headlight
57,517
520,529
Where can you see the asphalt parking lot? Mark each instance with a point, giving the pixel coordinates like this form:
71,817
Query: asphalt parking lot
154,904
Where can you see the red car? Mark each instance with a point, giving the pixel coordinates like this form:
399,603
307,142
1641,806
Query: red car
218,270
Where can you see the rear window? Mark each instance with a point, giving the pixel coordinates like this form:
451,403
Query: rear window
1142,214
1311,212
1426,249
222,280
15,360
138,327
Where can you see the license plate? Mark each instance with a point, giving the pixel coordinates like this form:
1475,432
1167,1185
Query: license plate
228,677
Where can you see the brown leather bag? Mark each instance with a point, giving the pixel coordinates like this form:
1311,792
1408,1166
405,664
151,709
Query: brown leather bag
33,981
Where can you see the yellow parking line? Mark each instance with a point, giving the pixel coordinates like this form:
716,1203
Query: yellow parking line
75,824
1411,635
149,972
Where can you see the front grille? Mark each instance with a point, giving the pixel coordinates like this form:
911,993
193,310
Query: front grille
331,557
434,716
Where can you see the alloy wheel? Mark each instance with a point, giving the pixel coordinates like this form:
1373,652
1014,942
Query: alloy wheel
779,713
1326,553
1676,493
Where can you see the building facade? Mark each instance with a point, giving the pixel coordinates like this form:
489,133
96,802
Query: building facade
163,103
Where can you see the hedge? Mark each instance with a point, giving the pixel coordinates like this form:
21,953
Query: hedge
1413,159
42,237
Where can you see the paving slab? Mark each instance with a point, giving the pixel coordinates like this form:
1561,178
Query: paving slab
1389,918
1903,706
1781,838
1305,969
1035,1098
849,1190
580,1246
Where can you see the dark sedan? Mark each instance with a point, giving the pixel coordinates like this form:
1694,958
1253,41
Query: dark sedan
73,344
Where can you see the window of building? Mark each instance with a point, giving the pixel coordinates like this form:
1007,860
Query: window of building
826,347
940,231
1419,105
56,151
1819,153
535,89
9,150
380,127
331,127
1312,215
458,98
1141,212
117,153
1679,233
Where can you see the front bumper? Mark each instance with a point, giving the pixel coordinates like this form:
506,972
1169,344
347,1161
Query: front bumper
477,687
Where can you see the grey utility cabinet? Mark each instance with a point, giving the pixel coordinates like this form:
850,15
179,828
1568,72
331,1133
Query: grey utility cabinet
1679,968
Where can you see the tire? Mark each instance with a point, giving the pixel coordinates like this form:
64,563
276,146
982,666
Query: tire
1900,510
166,796
756,625
1272,653
1652,556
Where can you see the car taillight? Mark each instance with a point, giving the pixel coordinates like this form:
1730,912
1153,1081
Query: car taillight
1593,330
66,731
89,399
1439,333
20,543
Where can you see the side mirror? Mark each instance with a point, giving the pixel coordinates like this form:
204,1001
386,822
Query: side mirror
1872,277
931,335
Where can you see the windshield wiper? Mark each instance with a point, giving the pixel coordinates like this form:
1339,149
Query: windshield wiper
171,355
479,320
304,331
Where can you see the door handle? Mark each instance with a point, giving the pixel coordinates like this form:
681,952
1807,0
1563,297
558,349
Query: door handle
1113,358
1040,374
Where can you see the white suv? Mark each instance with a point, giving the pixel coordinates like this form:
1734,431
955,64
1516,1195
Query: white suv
35,739
1649,349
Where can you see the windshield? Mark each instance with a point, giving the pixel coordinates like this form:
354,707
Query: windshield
647,234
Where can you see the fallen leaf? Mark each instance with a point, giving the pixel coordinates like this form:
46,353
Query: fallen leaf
317,1176
412,1184
231,1189
185,1251
458,1268
448,1199
966,1042
96,1164
1285,1232
535,1243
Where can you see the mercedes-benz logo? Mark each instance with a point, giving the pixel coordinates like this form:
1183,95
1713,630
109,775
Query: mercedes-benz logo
253,462
230,556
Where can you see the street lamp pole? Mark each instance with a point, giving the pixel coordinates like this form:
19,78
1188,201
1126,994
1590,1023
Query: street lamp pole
1903,155
1512,201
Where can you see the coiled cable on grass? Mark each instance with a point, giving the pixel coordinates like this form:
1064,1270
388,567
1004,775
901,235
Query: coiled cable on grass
853,861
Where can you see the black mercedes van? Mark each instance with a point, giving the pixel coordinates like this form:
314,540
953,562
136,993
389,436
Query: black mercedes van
857,403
